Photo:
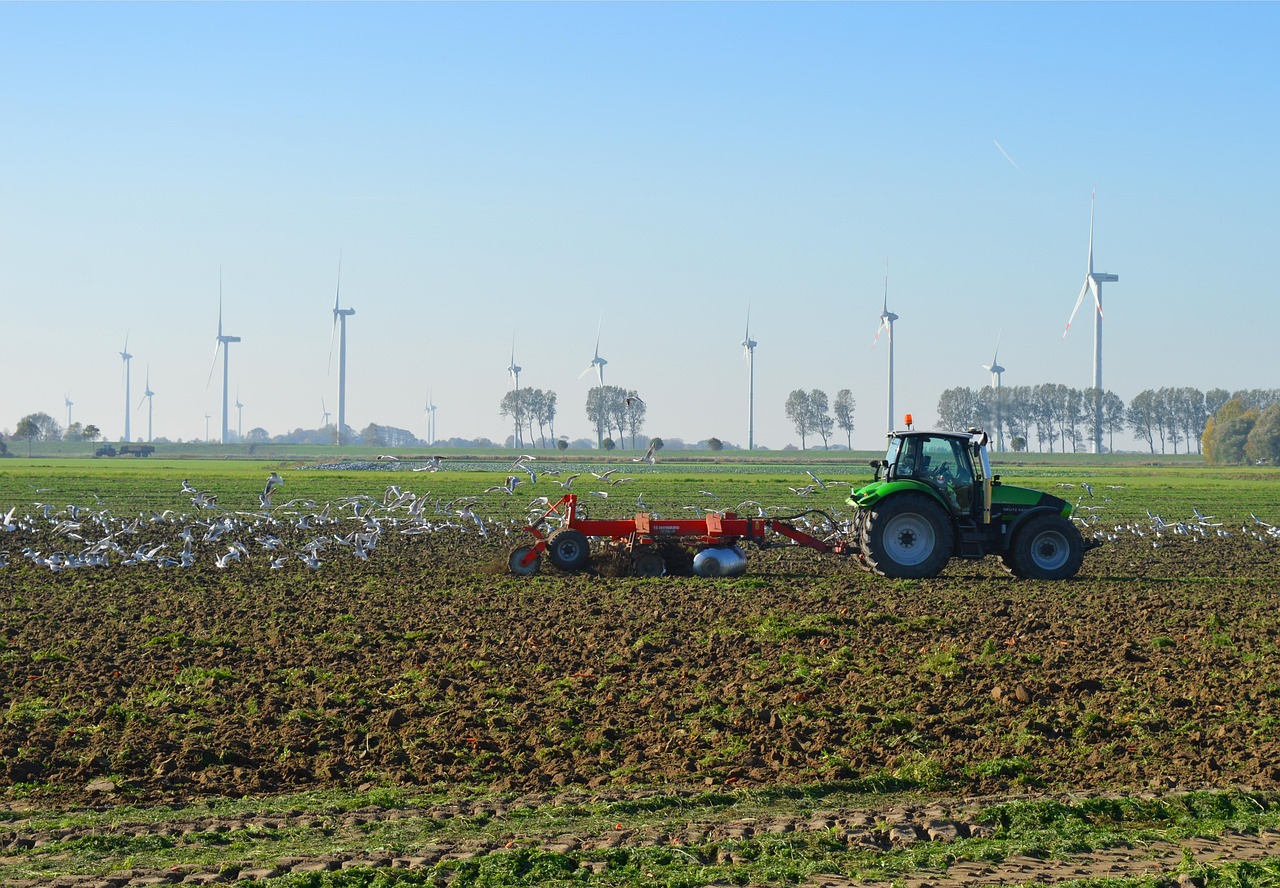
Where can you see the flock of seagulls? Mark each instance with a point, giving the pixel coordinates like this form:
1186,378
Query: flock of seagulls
297,532
302,533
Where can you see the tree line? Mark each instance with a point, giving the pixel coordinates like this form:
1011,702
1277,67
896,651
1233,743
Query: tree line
1058,417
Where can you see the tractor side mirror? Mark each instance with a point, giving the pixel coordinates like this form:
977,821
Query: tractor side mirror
875,468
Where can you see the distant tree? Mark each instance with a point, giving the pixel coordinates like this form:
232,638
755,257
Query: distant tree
1263,444
715,444
1112,417
819,408
92,432
843,408
1018,443
607,409
42,427
1227,432
27,428
1073,415
1214,399
1141,415
636,410
257,436
657,444
562,444
608,444
798,411
957,408
74,432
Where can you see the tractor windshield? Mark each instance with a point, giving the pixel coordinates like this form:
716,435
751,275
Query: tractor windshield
942,462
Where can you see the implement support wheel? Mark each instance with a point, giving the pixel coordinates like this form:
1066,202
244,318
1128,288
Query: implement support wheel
649,564
569,549
523,570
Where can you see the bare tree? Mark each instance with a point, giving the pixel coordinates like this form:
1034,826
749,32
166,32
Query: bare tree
798,411
843,408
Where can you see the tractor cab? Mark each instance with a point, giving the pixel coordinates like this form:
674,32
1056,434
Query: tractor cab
953,467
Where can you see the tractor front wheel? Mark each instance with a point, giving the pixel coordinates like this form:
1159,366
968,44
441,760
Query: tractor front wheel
907,536
569,549
1049,547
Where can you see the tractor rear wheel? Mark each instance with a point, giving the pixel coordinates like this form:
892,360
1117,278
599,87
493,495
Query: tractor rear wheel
1048,547
568,549
907,536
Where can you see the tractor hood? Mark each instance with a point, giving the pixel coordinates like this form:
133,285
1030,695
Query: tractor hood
1012,501
1007,501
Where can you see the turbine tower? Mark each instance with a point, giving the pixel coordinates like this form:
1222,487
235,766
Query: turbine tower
749,355
886,324
66,399
206,428
995,370
340,316
597,364
147,396
239,416
431,419
126,357
224,342
514,369
1093,281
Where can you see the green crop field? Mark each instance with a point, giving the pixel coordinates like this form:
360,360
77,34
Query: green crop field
346,686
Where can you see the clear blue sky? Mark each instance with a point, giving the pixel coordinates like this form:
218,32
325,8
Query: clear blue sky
490,170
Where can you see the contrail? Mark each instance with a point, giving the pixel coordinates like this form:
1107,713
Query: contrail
1007,157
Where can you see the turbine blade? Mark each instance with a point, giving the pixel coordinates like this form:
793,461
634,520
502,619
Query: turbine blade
1097,294
1079,301
214,366
590,367
1092,200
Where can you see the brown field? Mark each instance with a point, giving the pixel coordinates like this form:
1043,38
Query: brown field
429,666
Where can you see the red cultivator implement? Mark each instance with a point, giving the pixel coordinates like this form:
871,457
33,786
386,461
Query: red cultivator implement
715,536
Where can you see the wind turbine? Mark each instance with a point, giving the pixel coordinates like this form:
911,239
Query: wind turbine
597,364
886,323
514,370
224,341
126,357
749,355
324,414
431,419
995,370
206,428
239,416
1093,281
66,399
147,396
340,316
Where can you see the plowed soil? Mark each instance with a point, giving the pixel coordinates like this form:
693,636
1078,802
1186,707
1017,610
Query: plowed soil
422,662
429,665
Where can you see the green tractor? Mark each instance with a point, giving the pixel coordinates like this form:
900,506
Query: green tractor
934,498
